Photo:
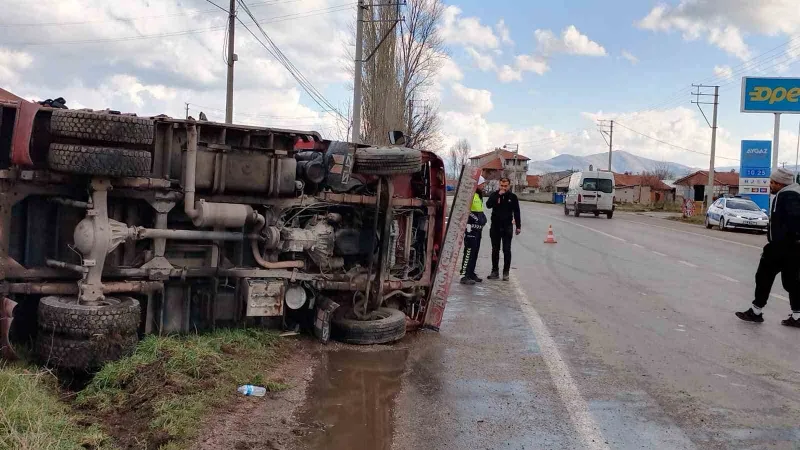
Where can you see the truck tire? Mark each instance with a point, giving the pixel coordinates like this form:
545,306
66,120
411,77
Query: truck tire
102,127
388,325
105,161
387,161
64,316
65,352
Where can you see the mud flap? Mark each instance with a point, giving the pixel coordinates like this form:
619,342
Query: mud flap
6,317
322,320
451,247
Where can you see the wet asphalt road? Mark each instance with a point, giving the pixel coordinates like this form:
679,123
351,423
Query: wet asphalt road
621,335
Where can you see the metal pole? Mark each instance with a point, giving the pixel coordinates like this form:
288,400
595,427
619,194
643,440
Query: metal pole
231,60
610,144
710,187
797,153
776,140
187,110
356,131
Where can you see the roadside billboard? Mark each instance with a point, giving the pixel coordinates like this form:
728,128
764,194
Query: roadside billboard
770,95
754,172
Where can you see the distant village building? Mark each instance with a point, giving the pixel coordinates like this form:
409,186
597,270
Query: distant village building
499,163
693,186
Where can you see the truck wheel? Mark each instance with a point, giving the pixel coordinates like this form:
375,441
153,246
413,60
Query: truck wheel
64,316
577,213
88,160
387,325
102,127
610,214
80,353
387,161
597,213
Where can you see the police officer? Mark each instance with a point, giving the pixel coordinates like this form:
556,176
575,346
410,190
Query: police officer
472,238
782,252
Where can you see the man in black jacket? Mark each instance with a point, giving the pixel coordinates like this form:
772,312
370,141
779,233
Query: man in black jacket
472,238
782,252
505,218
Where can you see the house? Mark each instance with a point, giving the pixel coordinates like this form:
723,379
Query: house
533,184
8,96
499,163
693,186
642,189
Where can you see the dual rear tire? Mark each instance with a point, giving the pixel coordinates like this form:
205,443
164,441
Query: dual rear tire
82,337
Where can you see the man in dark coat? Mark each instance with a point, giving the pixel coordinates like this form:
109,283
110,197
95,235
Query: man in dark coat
782,252
505,222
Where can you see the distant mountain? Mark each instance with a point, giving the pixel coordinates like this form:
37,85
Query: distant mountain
621,161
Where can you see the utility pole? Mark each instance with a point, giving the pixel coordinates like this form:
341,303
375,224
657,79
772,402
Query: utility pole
517,178
606,128
187,110
710,186
231,59
356,131
410,121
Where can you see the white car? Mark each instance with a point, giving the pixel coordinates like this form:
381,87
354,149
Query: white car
735,212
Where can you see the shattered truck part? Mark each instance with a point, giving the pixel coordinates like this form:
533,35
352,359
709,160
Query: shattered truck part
6,317
220,224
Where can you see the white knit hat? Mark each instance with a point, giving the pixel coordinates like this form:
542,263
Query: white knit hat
782,176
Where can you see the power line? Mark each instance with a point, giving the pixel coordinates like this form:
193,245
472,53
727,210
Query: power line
275,51
276,19
253,114
671,144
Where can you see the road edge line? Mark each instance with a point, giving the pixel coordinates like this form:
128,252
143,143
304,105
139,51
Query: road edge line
571,397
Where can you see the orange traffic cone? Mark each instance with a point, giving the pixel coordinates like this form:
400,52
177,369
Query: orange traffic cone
551,238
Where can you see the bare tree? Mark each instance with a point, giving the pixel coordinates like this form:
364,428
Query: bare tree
548,182
458,156
398,74
662,170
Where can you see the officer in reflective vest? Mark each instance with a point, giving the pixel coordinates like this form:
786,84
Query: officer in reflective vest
472,238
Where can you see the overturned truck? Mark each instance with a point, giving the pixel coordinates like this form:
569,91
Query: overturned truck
113,226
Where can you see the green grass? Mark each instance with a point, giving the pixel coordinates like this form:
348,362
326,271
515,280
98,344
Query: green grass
697,219
33,417
175,381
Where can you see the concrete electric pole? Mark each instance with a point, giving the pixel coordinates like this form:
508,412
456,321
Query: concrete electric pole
356,131
606,128
231,59
710,186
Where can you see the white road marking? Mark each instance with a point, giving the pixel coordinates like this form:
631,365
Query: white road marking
588,228
786,299
658,253
721,375
576,406
686,263
694,234
726,278
680,329
637,245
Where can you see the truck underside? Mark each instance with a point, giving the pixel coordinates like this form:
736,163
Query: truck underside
112,226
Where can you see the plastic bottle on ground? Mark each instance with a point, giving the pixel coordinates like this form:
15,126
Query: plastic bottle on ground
252,391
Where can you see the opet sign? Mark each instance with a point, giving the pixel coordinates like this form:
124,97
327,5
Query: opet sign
771,95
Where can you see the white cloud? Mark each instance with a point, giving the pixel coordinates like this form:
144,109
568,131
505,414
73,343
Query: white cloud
572,42
629,56
482,61
724,23
504,32
466,30
150,57
507,74
724,72
473,101
535,64
11,63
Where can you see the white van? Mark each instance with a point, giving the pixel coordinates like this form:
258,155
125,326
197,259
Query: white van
590,192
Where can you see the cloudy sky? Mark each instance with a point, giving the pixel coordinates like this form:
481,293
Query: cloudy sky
528,72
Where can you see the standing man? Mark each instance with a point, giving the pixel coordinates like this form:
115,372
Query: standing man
782,252
505,218
472,238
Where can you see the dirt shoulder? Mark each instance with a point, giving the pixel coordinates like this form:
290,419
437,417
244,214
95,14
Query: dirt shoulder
268,422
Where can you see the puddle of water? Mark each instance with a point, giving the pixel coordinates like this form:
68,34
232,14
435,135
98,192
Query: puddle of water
353,396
